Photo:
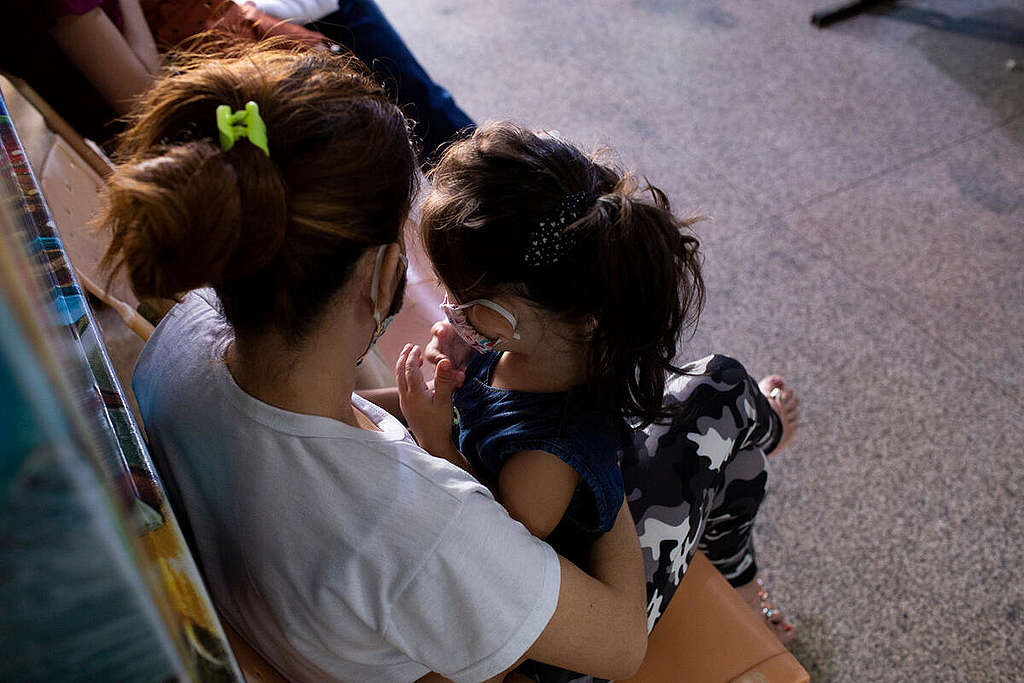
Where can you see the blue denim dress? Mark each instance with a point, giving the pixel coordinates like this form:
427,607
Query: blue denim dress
493,424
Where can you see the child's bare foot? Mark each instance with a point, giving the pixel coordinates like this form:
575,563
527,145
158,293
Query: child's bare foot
757,597
786,405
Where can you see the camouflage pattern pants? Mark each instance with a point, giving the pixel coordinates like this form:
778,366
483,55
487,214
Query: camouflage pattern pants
697,482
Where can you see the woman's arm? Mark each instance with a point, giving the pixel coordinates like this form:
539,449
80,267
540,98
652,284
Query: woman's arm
101,53
504,677
600,624
536,487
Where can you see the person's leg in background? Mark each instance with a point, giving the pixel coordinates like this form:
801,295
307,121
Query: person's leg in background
360,26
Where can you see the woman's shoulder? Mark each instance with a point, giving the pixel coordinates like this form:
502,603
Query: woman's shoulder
363,481
184,349
410,472
193,322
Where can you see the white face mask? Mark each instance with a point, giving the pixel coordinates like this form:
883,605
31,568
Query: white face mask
396,301
456,314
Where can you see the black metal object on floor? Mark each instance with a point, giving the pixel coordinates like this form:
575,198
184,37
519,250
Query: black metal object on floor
831,15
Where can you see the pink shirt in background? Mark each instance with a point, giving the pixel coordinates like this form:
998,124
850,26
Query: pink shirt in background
61,8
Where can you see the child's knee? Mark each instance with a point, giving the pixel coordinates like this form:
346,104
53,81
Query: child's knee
727,371
717,373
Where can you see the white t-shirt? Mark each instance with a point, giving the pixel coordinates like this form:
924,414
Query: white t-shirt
342,554
296,11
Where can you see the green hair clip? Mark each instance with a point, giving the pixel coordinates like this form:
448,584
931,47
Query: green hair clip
251,126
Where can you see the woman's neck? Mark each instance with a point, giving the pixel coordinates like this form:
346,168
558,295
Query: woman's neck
311,377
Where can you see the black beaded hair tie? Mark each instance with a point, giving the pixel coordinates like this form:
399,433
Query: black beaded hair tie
550,243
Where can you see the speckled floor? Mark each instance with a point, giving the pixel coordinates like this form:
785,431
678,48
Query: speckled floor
867,184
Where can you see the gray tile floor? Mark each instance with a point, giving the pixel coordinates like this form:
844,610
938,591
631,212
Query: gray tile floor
867,184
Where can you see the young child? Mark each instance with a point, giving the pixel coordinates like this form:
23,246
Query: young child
569,286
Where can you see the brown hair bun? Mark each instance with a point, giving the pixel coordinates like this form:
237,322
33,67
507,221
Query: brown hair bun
275,236
179,220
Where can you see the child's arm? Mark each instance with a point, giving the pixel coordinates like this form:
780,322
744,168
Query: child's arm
536,487
600,623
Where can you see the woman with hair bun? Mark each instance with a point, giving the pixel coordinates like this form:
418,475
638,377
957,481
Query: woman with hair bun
569,286
266,190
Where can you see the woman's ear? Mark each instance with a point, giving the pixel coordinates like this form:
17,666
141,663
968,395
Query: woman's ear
378,283
389,275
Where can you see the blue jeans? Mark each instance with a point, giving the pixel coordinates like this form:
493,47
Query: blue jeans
360,26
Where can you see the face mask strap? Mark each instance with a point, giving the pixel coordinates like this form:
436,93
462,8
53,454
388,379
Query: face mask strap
497,308
375,282
382,322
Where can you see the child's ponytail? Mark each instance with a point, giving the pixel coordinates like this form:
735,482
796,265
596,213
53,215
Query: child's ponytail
514,212
643,290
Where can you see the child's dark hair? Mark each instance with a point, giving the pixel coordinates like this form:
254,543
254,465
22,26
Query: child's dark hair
631,274
278,235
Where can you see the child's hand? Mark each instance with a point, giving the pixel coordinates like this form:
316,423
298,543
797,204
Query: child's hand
428,409
446,343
